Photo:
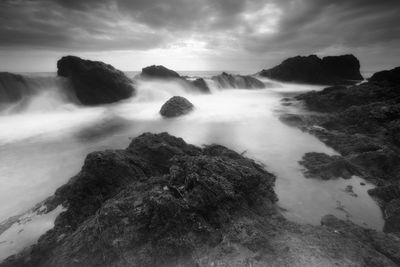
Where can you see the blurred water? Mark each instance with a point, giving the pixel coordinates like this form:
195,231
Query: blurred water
41,148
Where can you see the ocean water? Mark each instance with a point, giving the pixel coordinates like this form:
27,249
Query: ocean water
45,138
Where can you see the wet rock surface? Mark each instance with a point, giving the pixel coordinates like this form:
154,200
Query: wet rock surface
320,165
362,123
311,69
226,80
162,202
95,82
176,106
201,85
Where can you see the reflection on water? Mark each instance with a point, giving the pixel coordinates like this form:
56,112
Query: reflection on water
41,150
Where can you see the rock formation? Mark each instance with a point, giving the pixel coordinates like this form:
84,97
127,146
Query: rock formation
225,80
159,72
362,123
95,82
176,106
311,69
163,202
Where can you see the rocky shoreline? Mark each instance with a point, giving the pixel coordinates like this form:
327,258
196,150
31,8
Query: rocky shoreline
163,202
362,123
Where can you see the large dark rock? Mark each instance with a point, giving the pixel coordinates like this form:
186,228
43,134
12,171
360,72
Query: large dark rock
390,76
176,106
311,69
13,87
152,204
160,72
95,82
226,81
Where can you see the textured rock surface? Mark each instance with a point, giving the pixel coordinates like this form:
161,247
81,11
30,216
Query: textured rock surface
226,80
176,106
313,70
162,202
362,123
95,82
319,165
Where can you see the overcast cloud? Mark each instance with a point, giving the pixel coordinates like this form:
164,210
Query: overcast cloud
196,34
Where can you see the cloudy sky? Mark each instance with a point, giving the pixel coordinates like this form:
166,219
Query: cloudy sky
196,34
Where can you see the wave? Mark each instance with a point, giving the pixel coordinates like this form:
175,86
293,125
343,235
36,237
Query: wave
20,94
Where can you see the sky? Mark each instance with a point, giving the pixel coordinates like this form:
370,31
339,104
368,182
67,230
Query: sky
196,34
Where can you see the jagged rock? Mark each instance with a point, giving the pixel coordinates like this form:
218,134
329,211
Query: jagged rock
311,69
176,106
160,72
320,165
201,85
226,80
152,204
389,76
95,82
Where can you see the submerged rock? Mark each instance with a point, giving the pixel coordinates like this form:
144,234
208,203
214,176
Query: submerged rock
95,82
159,71
176,106
226,80
311,69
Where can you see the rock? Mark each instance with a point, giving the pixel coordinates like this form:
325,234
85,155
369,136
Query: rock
95,82
322,166
349,190
201,85
159,72
311,69
176,106
152,204
13,88
389,76
227,81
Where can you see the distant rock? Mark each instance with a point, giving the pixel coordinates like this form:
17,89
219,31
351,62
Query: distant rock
159,72
176,106
311,69
226,80
13,87
95,82
390,76
201,85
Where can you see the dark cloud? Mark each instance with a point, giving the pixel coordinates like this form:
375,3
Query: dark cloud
228,27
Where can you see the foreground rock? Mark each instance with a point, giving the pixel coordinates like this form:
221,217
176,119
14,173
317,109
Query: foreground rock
176,106
227,81
362,123
311,69
162,202
95,82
